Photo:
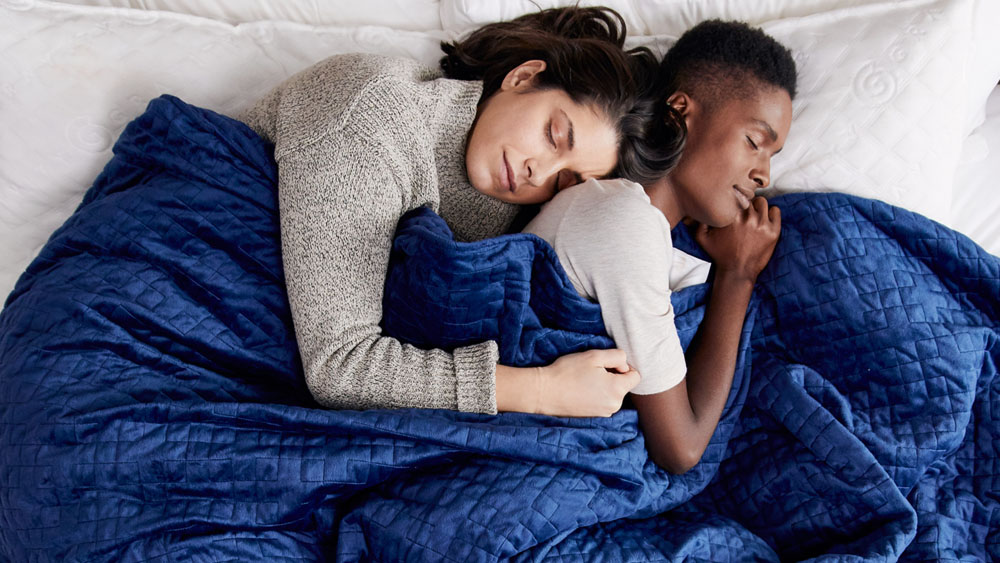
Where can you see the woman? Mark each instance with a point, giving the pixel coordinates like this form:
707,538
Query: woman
544,101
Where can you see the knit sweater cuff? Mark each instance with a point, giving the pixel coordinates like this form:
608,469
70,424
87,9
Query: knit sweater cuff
475,377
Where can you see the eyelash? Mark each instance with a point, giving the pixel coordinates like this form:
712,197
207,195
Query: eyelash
752,144
548,134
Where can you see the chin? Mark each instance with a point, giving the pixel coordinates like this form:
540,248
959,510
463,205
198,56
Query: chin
480,186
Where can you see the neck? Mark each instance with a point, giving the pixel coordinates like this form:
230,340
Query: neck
663,197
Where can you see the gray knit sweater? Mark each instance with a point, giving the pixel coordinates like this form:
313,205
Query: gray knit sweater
360,140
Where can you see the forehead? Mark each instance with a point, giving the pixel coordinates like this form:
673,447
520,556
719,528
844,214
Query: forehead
595,146
767,108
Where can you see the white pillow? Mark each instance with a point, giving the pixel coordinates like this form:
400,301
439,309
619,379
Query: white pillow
71,77
418,15
977,204
882,97
645,17
461,16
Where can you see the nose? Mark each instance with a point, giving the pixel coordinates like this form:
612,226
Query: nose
540,172
761,174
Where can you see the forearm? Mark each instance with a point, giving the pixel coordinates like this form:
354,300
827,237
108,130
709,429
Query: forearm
380,372
679,422
712,355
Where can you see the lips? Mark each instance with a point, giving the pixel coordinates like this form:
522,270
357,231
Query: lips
744,195
507,175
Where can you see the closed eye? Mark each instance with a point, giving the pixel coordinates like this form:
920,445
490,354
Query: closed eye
548,134
752,144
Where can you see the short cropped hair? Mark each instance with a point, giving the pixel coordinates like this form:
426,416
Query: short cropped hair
717,60
712,62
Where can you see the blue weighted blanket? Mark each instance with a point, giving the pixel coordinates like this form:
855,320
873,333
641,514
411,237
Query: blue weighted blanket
152,404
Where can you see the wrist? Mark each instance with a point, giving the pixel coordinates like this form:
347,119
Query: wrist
537,386
735,277
518,389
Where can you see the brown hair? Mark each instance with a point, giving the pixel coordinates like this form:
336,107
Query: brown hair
583,49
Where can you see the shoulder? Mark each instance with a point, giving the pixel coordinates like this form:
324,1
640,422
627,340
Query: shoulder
349,88
340,82
617,208
604,222
362,69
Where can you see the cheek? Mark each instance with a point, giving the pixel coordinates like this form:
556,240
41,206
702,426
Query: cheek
476,157
480,172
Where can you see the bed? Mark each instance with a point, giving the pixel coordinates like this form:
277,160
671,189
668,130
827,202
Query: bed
152,405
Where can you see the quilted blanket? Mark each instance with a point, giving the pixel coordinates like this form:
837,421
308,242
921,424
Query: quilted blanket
152,406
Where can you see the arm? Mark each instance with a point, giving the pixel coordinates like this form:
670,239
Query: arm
340,198
679,423
339,204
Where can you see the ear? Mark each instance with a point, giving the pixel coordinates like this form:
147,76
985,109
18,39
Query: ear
523,75
682,102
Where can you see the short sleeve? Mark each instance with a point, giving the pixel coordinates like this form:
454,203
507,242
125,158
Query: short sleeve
617,246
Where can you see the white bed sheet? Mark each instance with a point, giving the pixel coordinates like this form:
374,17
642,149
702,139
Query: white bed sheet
976,204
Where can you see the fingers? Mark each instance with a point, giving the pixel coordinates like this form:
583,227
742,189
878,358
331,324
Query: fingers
771,213
629,380
701,233
612,360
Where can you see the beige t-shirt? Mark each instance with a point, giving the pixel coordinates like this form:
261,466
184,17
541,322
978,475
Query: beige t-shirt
616,248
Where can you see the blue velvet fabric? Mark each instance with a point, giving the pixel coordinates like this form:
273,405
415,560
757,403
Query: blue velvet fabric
153,409
509,289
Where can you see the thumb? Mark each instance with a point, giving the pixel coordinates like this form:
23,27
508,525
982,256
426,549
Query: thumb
627,381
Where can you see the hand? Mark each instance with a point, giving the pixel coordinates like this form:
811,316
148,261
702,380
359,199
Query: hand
744,248
591,383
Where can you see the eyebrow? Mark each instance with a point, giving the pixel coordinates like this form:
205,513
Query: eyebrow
767,129
569,135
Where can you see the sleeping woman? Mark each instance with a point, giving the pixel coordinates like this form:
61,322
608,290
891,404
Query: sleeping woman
525,107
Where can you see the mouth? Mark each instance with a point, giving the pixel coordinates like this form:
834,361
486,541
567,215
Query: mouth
743,196
507,175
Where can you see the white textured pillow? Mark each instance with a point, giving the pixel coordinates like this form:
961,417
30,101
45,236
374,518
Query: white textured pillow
882,96
71,77
461,16
645,17
416,15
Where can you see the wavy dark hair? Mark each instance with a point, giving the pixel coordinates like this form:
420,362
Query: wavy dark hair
583,49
